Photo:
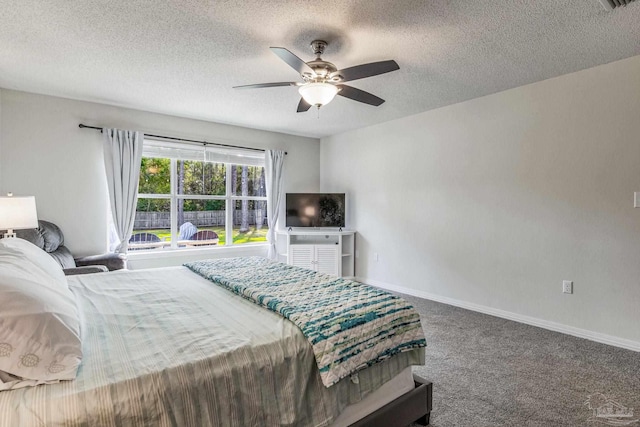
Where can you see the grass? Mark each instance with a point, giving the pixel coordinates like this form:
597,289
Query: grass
251,236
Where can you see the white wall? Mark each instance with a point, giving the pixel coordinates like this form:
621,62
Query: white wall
491,203
45,154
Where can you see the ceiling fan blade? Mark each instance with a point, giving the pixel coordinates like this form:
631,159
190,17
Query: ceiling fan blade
359,95
366,70
259,85
303,106
294,62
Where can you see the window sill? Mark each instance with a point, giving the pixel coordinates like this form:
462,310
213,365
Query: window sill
174,253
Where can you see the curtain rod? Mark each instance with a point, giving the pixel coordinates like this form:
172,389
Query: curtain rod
205,143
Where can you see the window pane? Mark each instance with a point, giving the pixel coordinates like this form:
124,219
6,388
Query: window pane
155,176
249,221
248,181
152,226
201,178
201,222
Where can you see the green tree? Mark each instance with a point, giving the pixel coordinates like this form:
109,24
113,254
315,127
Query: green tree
155,178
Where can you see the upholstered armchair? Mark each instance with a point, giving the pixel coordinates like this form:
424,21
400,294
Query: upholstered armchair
49,238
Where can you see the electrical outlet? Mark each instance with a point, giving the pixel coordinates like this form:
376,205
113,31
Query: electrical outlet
636,199
357,253
567,287
375,257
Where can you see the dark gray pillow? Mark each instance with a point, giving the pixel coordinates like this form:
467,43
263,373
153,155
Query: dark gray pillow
51,234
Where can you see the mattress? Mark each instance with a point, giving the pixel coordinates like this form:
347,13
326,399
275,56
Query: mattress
166,347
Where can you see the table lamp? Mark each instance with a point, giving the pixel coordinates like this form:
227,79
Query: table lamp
17,213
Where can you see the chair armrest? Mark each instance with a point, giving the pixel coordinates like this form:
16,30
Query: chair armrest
85,270
112,261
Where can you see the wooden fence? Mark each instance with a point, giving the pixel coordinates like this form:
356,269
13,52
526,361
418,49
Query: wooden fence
156,220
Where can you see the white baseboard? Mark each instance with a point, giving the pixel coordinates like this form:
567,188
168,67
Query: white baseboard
533,321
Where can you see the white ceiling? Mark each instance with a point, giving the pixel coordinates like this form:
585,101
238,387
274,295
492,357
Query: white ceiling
183,57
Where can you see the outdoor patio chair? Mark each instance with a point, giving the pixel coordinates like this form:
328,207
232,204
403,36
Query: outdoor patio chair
204,235
204,238
145,241
144,238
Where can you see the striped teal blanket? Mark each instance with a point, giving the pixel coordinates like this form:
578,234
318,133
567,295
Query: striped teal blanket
349,325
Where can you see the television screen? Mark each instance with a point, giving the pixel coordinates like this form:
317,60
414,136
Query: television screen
315,210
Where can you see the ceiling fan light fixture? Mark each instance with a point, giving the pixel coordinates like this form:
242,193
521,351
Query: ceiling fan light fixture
318,94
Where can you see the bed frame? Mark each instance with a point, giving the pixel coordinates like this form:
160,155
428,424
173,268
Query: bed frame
412,407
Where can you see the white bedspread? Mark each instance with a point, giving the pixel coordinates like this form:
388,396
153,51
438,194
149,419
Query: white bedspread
166,347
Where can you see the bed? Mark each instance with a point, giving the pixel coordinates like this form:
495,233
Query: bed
167,347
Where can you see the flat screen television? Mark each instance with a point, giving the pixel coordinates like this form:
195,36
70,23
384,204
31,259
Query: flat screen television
315,210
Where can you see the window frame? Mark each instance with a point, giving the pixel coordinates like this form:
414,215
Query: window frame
228,197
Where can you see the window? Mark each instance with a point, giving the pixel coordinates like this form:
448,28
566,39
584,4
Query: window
193,197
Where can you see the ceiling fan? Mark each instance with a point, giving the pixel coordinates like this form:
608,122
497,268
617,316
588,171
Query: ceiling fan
322,81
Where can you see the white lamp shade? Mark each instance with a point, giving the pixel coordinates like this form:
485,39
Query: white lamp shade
18,213
318,93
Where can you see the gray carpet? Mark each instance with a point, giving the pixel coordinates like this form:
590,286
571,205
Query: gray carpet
488,371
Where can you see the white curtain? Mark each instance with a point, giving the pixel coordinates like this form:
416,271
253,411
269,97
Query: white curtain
274,159
122,156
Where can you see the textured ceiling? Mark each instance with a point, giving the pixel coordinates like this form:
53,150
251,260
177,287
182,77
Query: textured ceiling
183,57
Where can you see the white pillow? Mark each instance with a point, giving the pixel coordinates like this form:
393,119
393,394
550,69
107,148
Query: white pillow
45,266
39,321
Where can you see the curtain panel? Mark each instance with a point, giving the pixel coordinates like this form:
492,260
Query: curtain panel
122,157
274,160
